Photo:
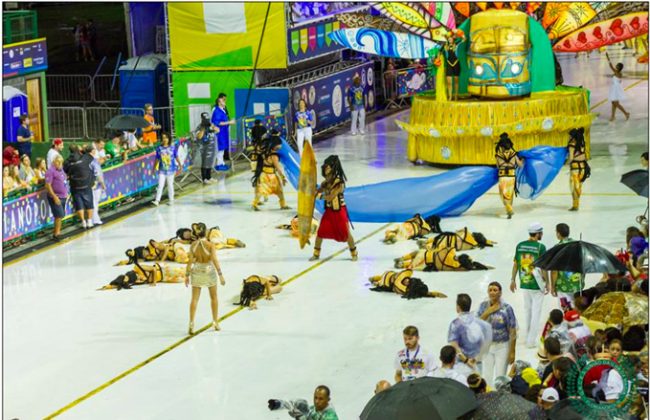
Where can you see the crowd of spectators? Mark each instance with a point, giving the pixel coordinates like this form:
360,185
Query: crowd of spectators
481,346
78,177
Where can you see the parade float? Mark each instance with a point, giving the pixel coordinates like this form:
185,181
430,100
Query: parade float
507,81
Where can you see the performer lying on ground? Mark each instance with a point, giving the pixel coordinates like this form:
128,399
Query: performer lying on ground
172,249
403,284
441,259
415,227
156,251
255,286
335,223
147,274
293,227
461,240
269,176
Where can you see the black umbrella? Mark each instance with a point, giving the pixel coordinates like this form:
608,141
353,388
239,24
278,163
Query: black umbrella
421,399
579,257
637,181
126,122
501,405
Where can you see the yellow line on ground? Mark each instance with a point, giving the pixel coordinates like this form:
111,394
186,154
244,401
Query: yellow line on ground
584,194
627,88
189,337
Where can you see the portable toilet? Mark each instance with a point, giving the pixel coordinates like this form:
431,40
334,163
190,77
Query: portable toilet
143,80
14,104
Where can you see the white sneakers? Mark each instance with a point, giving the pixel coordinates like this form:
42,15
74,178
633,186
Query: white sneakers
155,203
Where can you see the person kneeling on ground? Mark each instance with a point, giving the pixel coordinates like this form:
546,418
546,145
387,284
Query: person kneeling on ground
403,284
413,228
255,286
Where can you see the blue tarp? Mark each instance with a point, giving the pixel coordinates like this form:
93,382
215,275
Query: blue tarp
447,194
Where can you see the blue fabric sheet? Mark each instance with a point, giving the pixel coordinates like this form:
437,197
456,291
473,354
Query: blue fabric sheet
541,166
447,194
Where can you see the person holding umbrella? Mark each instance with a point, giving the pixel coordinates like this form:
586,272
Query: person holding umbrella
532,281
564,284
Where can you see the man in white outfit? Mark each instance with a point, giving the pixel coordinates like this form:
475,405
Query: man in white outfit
448,359
533,281
99,186
357,106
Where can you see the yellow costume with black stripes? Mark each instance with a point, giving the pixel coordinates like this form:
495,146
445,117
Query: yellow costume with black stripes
506,172
461,240
392,280
579,172
414,227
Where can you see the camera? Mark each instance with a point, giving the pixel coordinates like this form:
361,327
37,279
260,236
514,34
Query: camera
296,408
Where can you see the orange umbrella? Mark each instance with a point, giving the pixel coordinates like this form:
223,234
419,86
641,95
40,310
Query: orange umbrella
462,8
498,5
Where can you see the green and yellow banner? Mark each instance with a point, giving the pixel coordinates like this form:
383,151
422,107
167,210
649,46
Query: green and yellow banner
226,36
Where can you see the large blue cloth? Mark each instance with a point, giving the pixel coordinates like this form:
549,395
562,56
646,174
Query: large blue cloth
541,166
448,194
220,116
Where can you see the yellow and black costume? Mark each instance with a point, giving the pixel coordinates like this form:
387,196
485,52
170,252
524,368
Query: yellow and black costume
580,169
441,259
254,287
403,284
507,162
147,274
461,240
413,228
269,178
293,226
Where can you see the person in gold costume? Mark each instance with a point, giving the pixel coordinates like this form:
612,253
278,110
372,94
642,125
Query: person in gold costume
335,223
440,259
269,176
461,240
577,160
415,227
507,162
146,274
403,284
254,287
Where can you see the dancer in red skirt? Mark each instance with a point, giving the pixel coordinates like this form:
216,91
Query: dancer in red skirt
335,223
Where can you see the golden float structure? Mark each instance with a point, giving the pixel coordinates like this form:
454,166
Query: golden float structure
465,131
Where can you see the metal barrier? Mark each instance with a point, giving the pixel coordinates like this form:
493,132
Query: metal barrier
163,117
96,119
72,88
67,123
106,89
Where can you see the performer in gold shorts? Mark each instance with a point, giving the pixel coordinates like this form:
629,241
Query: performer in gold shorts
403,284
577,159
269,176
441,259
415,227
507,161
461,240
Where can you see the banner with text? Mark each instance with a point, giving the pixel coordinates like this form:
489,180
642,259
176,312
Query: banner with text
327,96
31,212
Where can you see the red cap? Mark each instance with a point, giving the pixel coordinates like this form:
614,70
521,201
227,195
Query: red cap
57,142
571,316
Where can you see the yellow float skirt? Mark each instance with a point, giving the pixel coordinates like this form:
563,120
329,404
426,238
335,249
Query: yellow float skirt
465,131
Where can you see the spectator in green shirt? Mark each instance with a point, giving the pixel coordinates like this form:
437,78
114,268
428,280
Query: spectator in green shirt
565,283
113,148
532,281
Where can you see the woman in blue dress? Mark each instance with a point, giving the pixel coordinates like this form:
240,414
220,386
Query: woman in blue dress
221,119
